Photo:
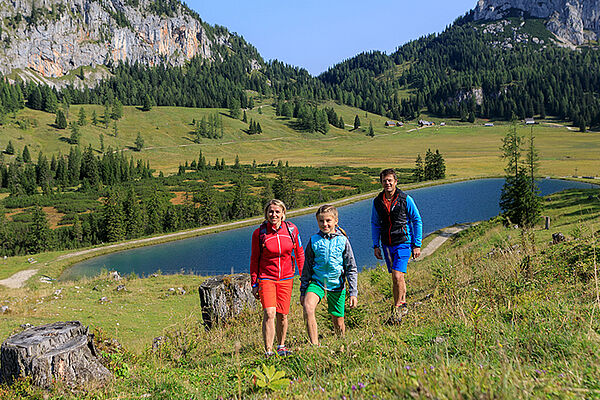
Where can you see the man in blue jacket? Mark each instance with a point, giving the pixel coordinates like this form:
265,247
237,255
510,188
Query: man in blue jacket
396,222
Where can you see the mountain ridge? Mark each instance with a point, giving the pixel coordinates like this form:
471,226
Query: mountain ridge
54,37
575,22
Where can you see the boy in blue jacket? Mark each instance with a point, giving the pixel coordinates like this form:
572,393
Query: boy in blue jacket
395,220
328,264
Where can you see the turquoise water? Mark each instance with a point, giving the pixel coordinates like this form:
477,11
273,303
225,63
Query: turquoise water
229,251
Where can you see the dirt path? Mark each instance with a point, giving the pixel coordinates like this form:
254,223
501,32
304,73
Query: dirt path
441,237
18,280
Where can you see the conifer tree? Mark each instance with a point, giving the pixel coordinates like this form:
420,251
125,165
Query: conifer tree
81,120
26,157
134,221
40,235
356,122
10,149
60,120
113,217
139,142
94,118
371,132
117,109
245,117
75,135
147,103
418,171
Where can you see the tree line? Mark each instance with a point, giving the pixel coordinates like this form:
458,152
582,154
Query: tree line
434,167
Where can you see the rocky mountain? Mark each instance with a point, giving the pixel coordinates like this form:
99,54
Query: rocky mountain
574,22
50,38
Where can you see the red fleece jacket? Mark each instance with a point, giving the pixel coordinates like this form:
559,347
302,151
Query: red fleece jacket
274,262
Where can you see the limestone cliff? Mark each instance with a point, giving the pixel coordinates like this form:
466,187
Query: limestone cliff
572,21
53,37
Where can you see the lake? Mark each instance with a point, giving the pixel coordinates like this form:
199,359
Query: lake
229,251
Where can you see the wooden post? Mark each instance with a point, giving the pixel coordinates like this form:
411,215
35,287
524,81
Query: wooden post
547,220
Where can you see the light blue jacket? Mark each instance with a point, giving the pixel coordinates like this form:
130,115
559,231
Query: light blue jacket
329,262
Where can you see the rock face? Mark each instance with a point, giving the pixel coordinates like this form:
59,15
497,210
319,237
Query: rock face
61,351
58,36
573,21
224,297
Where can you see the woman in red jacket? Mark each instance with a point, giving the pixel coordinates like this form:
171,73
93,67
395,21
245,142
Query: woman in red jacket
272,272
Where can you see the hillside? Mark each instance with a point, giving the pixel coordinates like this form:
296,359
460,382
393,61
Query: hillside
477,68
493,314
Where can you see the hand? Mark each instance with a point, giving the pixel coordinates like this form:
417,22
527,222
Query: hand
255,292
353,302
416,252
377,252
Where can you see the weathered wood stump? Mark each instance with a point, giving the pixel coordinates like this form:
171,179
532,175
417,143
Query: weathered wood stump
224,297
61,351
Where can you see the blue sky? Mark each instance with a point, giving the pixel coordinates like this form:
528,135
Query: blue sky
318,34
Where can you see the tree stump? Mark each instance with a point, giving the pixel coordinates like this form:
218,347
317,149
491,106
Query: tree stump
59,351
225,296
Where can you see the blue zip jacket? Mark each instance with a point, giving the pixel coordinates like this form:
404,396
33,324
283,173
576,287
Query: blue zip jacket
414,224
329,262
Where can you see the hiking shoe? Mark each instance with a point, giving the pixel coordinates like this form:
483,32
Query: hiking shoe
395,317
403,310
283,351
269,354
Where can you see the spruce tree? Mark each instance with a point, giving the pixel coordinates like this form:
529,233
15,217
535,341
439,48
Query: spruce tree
60,121
26,157
113,217
139,142
75,135
418,171
10,149
94,118
81,120
356,122
371,132
39,236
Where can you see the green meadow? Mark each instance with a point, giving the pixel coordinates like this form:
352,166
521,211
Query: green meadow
494,313
470,150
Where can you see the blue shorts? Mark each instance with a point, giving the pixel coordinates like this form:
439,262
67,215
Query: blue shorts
396,257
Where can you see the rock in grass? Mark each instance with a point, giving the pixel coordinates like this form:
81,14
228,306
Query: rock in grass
61,351
3,309
558,237
225,296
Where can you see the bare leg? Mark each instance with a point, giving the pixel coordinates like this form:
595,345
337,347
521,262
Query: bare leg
310,304
268,328
398,287
338,325
281,325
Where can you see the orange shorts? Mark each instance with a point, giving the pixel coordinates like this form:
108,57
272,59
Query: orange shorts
276,294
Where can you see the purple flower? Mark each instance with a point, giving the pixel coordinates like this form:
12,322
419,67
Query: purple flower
361,385
561,375
407,367
353,387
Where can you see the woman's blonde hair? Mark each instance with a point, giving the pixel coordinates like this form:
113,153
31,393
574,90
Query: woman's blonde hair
275,202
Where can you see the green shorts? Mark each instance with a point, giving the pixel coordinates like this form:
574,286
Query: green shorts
335,300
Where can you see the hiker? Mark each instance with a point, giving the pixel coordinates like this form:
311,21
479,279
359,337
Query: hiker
395,220
329,263
272,272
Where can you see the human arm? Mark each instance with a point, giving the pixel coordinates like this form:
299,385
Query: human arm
416,226
350,270
307,270
299,251
254,261
376,232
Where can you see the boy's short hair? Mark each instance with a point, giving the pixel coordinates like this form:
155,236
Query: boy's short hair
275,202
327,208
386,172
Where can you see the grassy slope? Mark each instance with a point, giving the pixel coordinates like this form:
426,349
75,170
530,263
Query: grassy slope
469,150
495,326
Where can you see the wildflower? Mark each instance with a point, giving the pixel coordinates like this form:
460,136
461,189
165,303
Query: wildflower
561,375
361,385
407,367
353,387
